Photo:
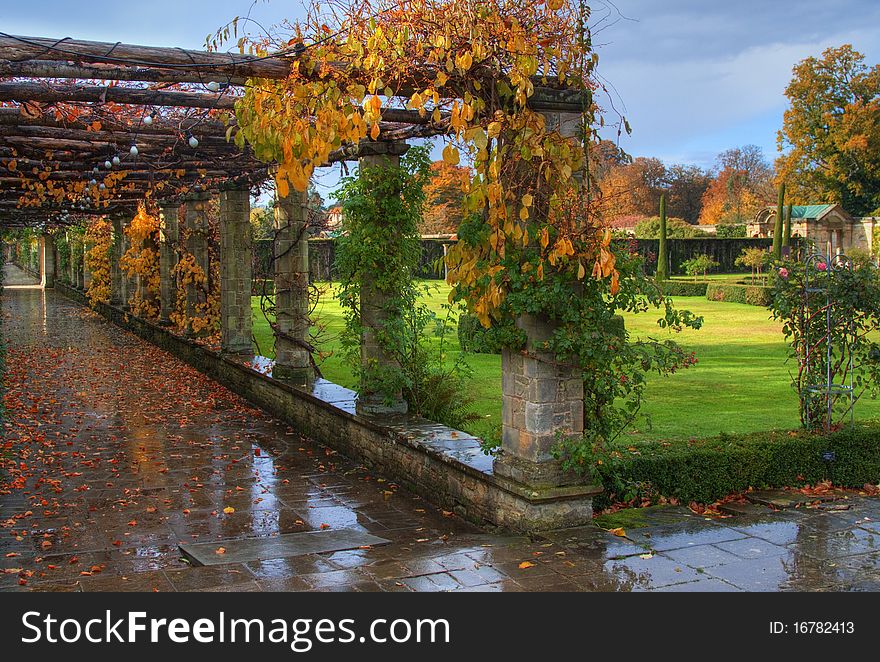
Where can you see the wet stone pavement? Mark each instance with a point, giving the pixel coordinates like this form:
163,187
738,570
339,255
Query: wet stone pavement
117,453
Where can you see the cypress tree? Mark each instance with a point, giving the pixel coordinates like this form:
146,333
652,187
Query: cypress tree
662,259
778,227
786,236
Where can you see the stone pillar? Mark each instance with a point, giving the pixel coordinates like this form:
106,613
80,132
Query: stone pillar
291,266
47,261
168,236
129,283
72,247
117,292
86,273
542,402
196,240
374,313
236,317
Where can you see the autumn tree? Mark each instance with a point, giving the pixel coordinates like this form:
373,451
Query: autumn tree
633,189
742,186
444,205
830,135
687,184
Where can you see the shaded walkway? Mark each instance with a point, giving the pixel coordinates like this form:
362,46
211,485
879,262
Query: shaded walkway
120,453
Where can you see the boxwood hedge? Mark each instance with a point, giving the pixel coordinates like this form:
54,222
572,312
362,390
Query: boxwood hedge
707,470
753,295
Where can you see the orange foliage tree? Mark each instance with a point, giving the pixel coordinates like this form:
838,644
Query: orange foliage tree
444,204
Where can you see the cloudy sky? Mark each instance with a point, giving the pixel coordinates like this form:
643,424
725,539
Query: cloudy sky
694,77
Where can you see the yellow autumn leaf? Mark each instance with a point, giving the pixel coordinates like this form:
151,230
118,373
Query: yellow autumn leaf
374,132
229,510
581,271
526,564
450,155
527,200
619,531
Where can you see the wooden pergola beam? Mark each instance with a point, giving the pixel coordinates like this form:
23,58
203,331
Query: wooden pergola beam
12,116
215,66
62,69
31,91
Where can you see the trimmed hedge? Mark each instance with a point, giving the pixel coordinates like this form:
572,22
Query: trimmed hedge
705,471
753,295
684,288
474,337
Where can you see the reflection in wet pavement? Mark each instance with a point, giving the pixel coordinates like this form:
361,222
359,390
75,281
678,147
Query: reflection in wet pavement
123,453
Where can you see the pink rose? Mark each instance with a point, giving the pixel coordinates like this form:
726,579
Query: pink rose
783,273
821,266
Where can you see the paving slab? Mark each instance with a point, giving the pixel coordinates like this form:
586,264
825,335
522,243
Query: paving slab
783,499
242,550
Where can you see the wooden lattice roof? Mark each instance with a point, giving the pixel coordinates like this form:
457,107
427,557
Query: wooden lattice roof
68,106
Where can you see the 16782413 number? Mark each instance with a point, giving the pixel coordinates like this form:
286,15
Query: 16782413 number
823,627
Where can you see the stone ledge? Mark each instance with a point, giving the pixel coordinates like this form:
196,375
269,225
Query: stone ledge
445,466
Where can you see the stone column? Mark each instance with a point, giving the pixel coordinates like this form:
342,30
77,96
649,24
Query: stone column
86,273
196,240
72,247
47,261
291,266
542,402
129,283
117,292
374,313
168,236
236,317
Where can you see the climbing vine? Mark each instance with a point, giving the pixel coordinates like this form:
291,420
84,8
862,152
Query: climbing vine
99,242
471,69
199,316
376,258
141,261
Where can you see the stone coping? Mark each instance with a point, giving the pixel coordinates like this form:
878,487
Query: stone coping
446,466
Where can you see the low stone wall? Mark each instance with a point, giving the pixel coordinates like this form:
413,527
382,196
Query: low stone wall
444,466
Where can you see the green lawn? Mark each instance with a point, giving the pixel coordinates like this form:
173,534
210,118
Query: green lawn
740,384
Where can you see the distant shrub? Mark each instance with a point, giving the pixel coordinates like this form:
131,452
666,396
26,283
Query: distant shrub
755,259
730,231
676,228
699,264
753,295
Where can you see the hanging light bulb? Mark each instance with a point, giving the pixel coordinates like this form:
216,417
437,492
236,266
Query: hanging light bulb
102,186
108,165
93,182
133,151
95,170
116,160
193,142
214,86
148,120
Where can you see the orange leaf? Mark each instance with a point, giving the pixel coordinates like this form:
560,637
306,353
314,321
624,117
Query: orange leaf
526,564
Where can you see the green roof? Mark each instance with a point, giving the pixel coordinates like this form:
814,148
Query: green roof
809,211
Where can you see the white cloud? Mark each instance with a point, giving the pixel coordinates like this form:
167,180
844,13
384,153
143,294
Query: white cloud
711,81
